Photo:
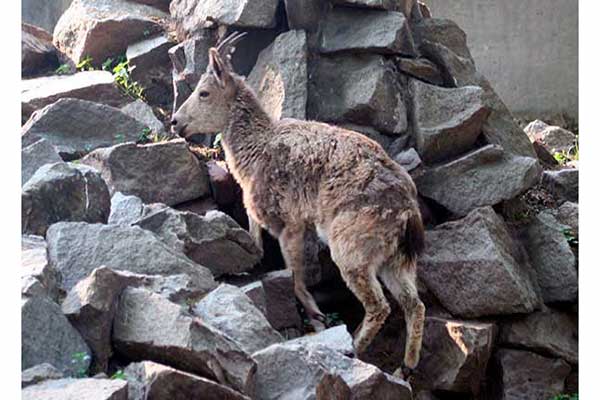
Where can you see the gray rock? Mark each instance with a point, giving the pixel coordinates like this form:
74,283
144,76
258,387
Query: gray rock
447,121
142,112
521,375
549,332
293,371
228,309
39,373
409,159
104,28
150,380
281,300
124,209
38,54
63,192
34,156
553,138
214,240
482,177
43,13
98,86
394,5
81,389
372,31
336,338
164,172
360,89
40,316
162,5
552,258
76,127
179,288
256,292
76,249
305,14
564,184
149,327
455,355
422,69
568,214
280,76
38,277
464,256
333,387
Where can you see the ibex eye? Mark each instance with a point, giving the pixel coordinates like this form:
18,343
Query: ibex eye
204,94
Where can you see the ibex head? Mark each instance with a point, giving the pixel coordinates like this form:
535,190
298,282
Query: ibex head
206,111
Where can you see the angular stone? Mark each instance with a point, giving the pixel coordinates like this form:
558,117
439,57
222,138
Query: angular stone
104,28
522,375
39,373
63,192
447,121
394,5
568,214
336,338
464,256
76,127
125,210
76,249
98,86
482,177
142,112
455,355
38,54
305,14
564,184
422,69
371,31
550,332
228,309
149,327
552,258
256,292
280,76
214,240
71,389
553,138
150,380
360,89
34,156
40,315
293,371
408,159
280,299
35,266
223,187
159,172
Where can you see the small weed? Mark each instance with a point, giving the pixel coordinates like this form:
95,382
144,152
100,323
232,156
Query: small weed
217,142
333,319
85,64
566,397
119,375
122,75
63,69
572,154
570,236
80,361
145,135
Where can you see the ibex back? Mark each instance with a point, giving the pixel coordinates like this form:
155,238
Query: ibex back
299,174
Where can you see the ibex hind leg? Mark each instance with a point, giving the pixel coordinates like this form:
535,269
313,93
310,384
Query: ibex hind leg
400,279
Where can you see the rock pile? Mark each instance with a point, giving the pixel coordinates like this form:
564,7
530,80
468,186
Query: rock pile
136,260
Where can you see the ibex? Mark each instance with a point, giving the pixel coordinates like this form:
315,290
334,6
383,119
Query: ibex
304,174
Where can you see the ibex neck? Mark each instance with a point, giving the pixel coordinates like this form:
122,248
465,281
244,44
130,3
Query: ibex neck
249,130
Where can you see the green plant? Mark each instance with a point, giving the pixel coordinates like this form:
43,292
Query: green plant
80,362
119,375
572,154
122,74
62,69
333,319
217,141
145,135
85,64
570,236
574,396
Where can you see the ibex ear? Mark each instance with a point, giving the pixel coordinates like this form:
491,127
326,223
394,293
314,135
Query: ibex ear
216,66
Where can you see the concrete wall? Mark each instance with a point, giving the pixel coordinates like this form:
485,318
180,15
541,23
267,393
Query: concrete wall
527,48
43,13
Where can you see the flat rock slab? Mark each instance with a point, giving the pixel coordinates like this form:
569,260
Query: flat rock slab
420,68
150,380
370,31
38,54
564,184
63,192
104,28
77,389
98,86
280,76
149,327
483,177
360,89
76,249
75,127
39,373
48,337
447,121
157,173
471,267
34,156
336,338
38,277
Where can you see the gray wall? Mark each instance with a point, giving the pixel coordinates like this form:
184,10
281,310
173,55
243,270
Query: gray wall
43,13
527,48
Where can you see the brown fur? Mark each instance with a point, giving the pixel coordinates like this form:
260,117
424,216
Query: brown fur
300,174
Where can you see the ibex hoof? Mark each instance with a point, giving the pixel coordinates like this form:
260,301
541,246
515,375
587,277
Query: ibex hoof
403,373
318,322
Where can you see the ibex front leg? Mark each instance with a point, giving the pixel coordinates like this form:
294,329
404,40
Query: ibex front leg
291,241
256,233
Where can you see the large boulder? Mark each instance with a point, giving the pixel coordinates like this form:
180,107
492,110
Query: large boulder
39,373
372,31
98,86
293,371
305,14
63,192
552,258
214,240
464,256
483,177
361,89
280,76
81,389
447,121
563,184
38,54
38,277
336,338
142,112
149,327
76,127
34,156
568,214
47,337
150,380
104,28
159,172
76,249
553,138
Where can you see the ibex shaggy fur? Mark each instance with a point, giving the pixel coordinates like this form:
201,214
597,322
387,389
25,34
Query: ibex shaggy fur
300,174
